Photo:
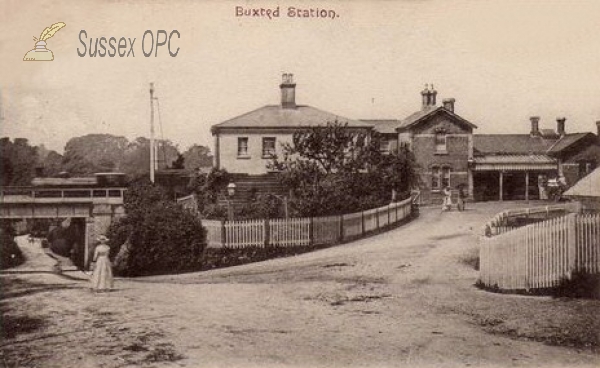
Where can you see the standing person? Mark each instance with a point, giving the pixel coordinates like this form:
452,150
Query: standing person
461,198
447,204
102,278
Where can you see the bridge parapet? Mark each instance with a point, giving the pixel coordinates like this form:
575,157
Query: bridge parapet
19,195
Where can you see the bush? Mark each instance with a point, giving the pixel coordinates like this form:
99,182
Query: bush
10,254
159,237
228,257
581,285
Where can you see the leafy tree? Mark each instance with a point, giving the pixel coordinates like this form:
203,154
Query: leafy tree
197,156
19,160
333,170
93,153
52,164
136,159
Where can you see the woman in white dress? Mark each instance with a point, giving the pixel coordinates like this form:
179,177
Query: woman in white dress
447,204
102,278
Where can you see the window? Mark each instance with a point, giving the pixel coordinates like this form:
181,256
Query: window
268,147
440,142
435,178
385,146
440,177
446,176
242,146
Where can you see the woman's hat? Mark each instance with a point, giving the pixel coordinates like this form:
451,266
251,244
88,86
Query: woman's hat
102,239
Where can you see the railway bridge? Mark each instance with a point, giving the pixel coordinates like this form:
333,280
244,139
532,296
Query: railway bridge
90,207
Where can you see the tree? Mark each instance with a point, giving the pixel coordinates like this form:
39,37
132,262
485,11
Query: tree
52,164
93,153
333,170
197,156
136,158
19,161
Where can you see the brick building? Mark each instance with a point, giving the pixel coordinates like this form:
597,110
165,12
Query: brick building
447,152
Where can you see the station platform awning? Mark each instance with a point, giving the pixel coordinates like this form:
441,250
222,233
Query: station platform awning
514,163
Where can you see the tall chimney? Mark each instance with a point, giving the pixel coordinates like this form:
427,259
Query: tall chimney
425,97
428,96
598,129
535,126
560,126
433,94
449,104
288,91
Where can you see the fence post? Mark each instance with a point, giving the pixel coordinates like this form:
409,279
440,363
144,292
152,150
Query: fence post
267,232
572,242
362,222
341,228
223,233
311,231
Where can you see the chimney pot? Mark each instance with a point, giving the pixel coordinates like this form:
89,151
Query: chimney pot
535,126
428,96
288,91
449,104
560,126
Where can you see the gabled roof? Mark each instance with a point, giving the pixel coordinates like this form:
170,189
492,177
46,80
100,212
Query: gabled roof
274,116
567,141
421,115
384,126
589,186
504,144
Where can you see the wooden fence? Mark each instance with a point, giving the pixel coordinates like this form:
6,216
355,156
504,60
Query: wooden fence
505,221
539,255
304,231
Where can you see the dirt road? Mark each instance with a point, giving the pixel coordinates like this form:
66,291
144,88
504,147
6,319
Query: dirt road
402,298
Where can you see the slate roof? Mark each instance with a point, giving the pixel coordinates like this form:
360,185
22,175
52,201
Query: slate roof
589,186
566,141
384,126
274,116
549,134
503,144
419,116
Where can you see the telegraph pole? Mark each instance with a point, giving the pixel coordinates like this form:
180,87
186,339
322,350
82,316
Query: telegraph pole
152,151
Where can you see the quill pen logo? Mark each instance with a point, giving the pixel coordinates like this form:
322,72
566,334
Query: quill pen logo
40,52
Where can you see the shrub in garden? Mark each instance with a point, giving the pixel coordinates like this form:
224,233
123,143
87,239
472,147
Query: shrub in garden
10,254
158,235
581,285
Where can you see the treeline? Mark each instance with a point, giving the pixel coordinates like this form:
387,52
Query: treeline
20,162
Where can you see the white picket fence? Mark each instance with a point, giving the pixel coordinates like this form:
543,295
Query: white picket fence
303,231
501,223
539,255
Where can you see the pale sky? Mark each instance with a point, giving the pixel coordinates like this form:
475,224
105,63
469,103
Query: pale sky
502,61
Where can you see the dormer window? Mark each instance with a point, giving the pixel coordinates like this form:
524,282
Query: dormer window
440,142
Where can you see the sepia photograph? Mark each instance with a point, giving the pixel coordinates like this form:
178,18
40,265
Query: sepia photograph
299,183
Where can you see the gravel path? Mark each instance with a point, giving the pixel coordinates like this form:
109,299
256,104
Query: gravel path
401,298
